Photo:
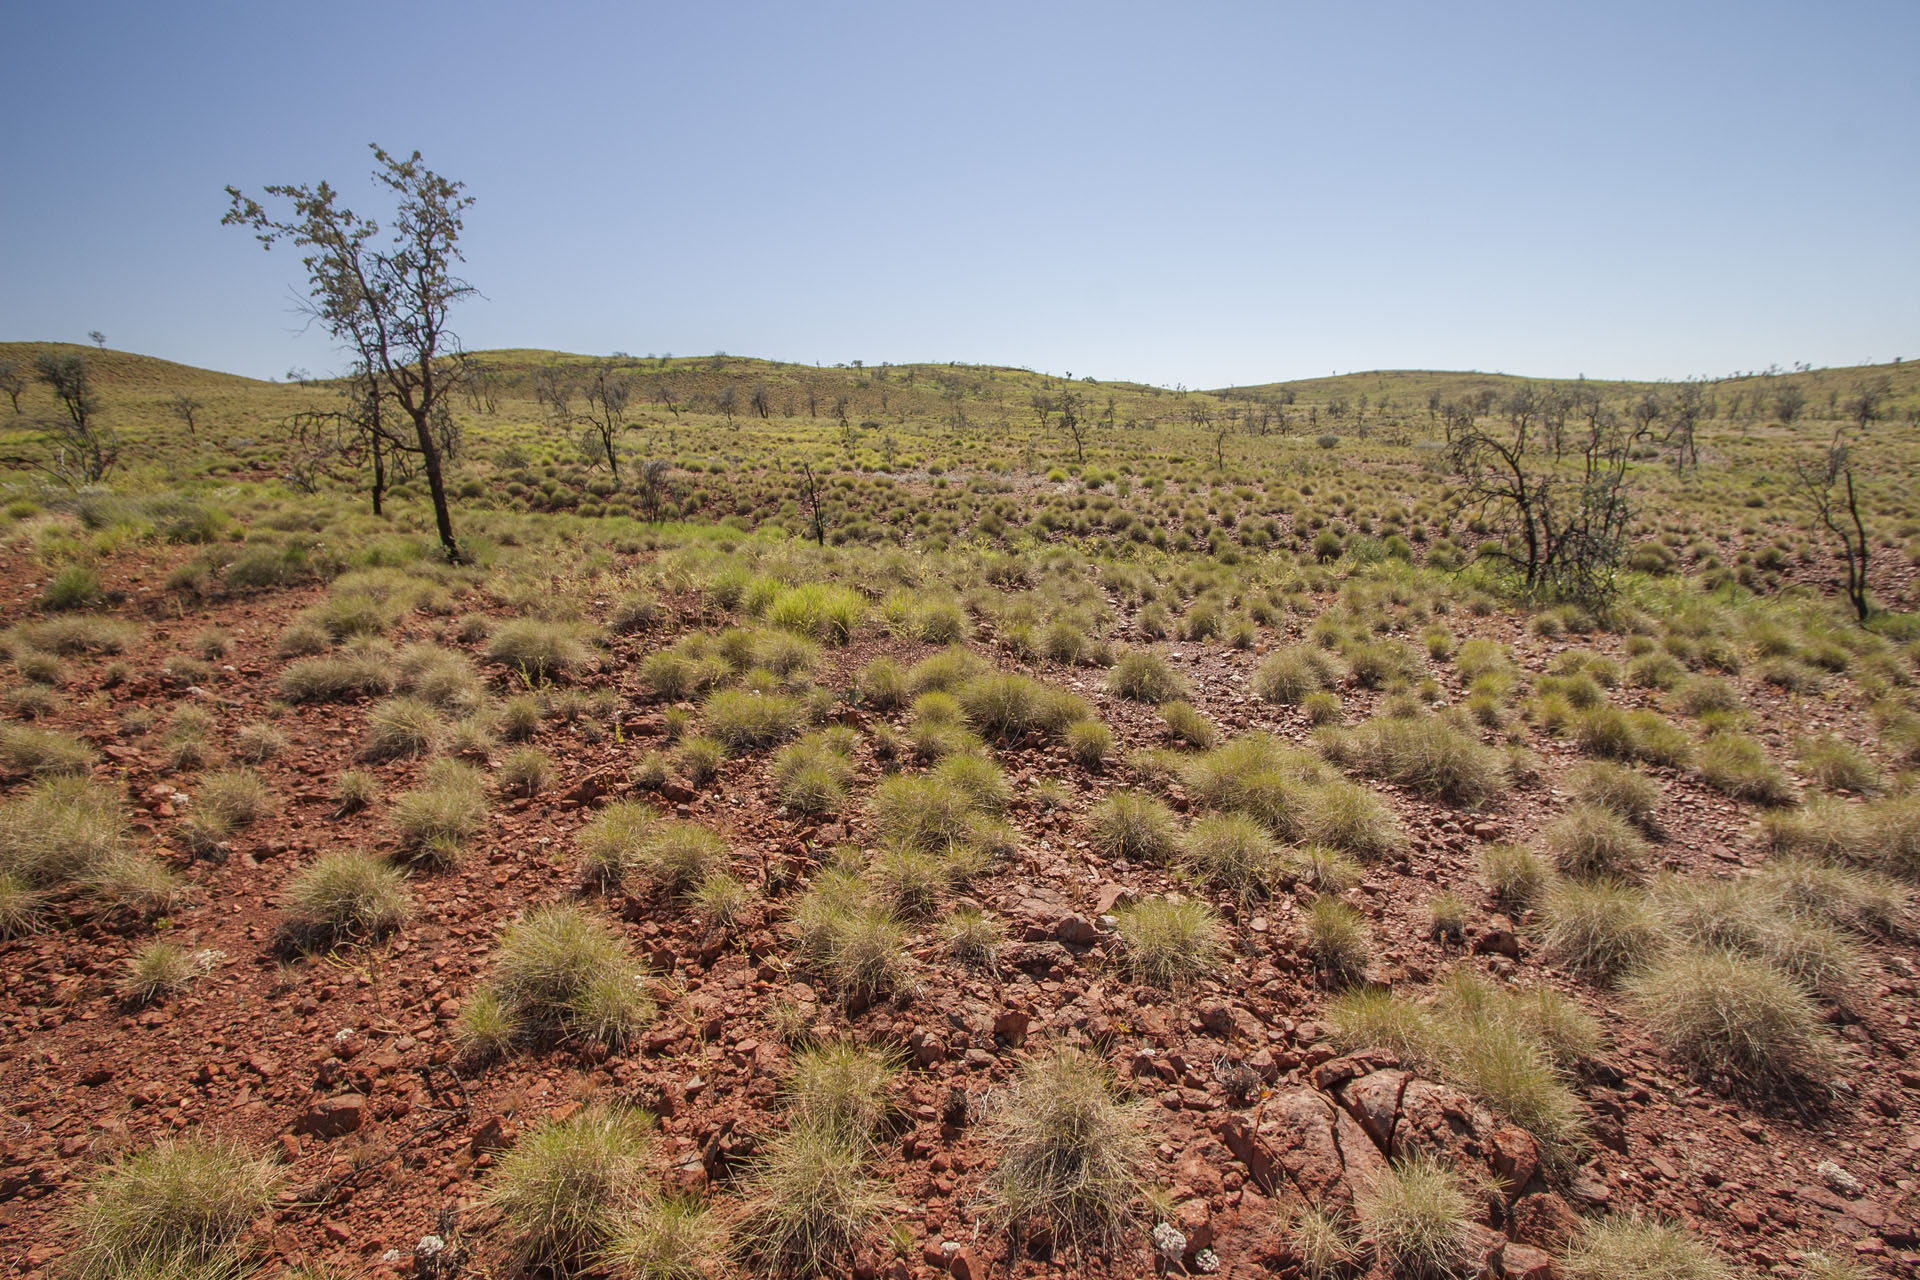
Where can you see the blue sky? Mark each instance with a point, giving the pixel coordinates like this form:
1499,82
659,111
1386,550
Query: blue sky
1203,193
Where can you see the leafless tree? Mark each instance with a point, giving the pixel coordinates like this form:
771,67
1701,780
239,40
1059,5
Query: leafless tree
1645,411
1827,484
553,391
1221,431
481,383
727,401
320,445
761,400
664,395
813,503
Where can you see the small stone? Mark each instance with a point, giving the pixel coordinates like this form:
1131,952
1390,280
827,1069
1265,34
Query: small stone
1838,1178
1076,930
1169,1243
331,1117
1524,1262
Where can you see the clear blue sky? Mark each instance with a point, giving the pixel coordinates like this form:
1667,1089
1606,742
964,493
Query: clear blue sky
1198,193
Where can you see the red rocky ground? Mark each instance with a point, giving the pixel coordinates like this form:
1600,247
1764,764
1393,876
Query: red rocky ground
342,1066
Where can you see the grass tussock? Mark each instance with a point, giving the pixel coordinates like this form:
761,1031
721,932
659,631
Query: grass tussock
1619,789
1234,852
1740,767
841,1088
436,819
610,842
809,1203
1838,765
159,970
1734,1019
665,1237
1588,842
559,971
1624,1247
1419,1214
347,896
745,719
1170,942
1141,675
564,1191
1602,929
175,1209
401,729
1072,1155
540,651
1339,941
1429,757
1137,827
42,753
1516,876
1289,675
846,934
338,677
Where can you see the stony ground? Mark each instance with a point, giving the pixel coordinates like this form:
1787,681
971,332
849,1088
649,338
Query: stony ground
343,1064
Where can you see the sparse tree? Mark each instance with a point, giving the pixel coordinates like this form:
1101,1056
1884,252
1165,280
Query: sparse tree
553,391
1684,409
664,395
607,392
1788,402
388,304
1043,408
99,339
840,406
1221,431
1561,502
1868,403
1645,411
1828,486
1072,421
481,384
13,380
761,400
654,488
184,407
813,503
727,401
76,447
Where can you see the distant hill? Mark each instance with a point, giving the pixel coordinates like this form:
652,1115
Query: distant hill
1412,388
981,392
